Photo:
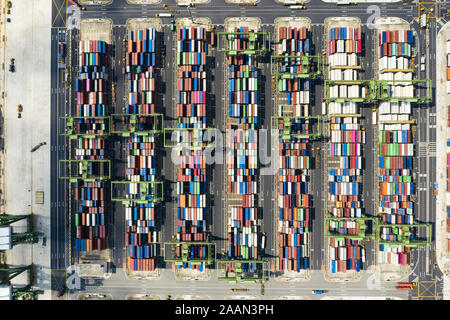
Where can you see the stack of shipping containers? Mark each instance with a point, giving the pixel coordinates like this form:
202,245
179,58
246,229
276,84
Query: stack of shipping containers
395,145
242,157
192,77
293,175
344,149
447,46
141,235
91,87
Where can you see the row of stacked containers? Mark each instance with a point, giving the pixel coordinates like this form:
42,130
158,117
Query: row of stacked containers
395,49
293,176
92,100
344,151
192,88
242,157
141,228
395,148
447,46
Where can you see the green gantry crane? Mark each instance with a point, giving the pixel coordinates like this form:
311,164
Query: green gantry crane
404,234
311,67
22,237
369,85
287,132
26,293
237,273
87,170
361,223
7,273
383,90
184,253
74,132
198,140
378,90
133,121
146,191
258,42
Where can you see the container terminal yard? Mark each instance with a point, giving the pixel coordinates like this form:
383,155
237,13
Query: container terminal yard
225,150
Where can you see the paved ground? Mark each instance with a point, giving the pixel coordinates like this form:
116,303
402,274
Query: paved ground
26,172
443,101
119,287
119,11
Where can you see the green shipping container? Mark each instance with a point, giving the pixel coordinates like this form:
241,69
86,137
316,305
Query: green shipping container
387,162
407,179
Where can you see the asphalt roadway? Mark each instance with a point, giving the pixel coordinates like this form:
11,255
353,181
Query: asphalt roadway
59,196
266,10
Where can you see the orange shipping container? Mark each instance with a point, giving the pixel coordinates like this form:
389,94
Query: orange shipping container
448,73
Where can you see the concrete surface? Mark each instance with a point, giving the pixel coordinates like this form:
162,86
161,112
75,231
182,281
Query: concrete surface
26,172
442,104
266,10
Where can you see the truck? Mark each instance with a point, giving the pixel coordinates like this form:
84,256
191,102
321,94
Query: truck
253,4
61,291
263,240
405,285
163,15
238,290
423,20
297,7
62,51
435,190
77,5
12,67
319,291
291,2
317,158
163,53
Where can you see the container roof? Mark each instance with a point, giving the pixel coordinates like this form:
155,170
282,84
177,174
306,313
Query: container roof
5,293
5,238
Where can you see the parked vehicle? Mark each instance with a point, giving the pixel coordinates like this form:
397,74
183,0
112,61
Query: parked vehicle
435,190
238,290
319,291
263,240
12,67
62,51
61,291
405,285
163,15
